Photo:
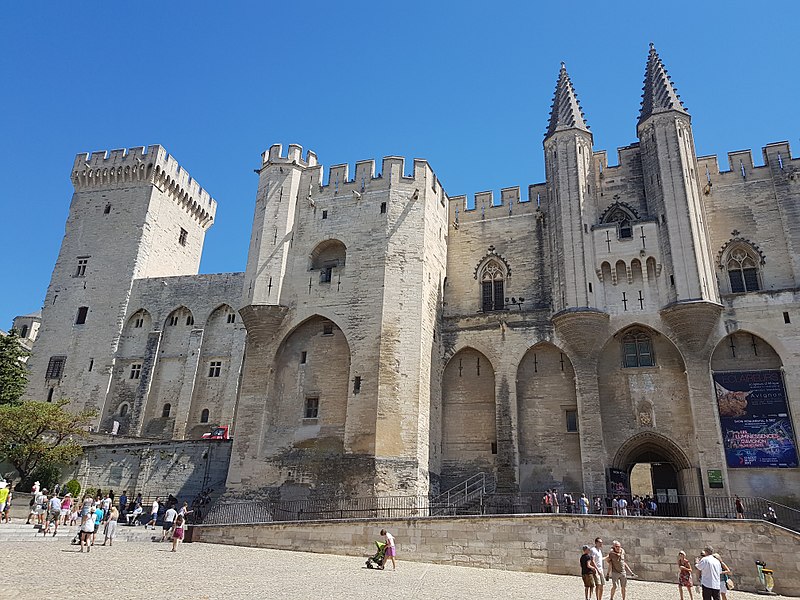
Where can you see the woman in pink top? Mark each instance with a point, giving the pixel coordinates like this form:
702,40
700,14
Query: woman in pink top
66,506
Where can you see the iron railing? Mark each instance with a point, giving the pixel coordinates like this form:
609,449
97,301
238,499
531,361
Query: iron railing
478,498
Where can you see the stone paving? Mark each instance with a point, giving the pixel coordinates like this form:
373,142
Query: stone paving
206,571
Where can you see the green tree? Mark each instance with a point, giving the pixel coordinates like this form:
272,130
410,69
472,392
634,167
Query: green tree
13,372
34,435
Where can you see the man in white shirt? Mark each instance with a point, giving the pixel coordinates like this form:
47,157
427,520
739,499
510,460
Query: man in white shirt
710,571
169,521
596,553
153,515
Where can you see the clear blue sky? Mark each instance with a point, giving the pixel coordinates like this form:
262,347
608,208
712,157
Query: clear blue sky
466,85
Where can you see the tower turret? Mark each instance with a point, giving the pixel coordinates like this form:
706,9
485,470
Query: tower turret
671,191
569,165
273,222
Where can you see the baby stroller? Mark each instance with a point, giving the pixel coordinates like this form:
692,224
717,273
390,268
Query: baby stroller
378,558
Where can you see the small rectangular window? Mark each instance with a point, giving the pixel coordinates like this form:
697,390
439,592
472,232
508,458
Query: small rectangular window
190,320
215,368
383,208
672,280
182,237
138,322
590,287
231,317
327,328
324,214
572,421
136,371
786,318
326,274
357,384
494,447
91,364
50,394
311,408
55,368
303,356
80,319
107,209
83,261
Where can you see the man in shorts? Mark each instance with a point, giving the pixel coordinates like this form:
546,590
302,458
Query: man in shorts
153,515
618,569
588,573
169,521
596,552
53,515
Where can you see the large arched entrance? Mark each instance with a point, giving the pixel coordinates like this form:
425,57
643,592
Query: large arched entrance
650,464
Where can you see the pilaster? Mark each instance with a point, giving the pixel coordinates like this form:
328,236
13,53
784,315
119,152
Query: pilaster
190,374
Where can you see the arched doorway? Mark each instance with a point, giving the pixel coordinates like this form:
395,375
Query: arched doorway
650,464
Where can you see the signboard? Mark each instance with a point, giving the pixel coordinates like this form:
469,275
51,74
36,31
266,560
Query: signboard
715,478
618,482
754,416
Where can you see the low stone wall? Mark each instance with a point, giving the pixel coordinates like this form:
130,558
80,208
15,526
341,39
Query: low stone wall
540,543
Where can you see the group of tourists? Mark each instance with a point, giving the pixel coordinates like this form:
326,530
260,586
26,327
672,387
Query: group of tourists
567,503
596,569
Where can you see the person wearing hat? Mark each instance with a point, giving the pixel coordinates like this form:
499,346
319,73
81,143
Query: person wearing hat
66,507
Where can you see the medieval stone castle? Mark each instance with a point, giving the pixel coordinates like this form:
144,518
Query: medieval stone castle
386,338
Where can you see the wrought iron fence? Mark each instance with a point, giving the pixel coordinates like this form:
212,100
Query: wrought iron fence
476,501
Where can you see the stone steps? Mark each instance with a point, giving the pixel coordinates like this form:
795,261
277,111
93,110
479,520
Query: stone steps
28,533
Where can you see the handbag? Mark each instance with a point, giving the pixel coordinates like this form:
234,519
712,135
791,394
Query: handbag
729,583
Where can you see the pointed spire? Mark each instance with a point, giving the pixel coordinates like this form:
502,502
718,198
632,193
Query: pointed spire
660,94
565,113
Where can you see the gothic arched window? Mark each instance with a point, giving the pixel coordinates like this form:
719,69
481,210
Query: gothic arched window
204,416
742,266
637,350
624,218
166,410
493,279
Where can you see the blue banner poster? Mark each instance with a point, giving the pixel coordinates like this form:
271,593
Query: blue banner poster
754,415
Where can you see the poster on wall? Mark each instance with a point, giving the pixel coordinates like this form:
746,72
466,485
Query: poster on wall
754,416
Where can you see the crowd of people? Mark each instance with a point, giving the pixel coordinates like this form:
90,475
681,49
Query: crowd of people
714,576
98,511
554,502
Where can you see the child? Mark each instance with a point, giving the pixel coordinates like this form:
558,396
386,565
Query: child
177,532
390,549
588,571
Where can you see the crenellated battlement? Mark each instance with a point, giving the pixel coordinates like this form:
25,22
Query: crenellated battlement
741,167
511,202
153,165
294,155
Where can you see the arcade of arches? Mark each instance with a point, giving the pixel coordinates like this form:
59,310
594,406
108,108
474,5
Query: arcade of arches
647,417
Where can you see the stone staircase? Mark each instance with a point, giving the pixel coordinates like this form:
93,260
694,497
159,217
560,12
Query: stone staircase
19,532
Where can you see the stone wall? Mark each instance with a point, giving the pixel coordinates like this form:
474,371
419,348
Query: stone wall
540,543
154,468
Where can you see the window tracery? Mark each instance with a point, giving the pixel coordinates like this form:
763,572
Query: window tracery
492,278
637,349
742,266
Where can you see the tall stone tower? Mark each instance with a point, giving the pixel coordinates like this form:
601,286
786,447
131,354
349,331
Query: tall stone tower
134,214
569,168
670,183
273,222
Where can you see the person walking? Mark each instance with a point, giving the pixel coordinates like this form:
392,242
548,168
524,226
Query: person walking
177,532
391,551
53,515
724,577
66,508
739,507
6,512
169,520
710,571
153,514
619,569
684,574
110,531
87,530
597,558
99,515
556,506
588,572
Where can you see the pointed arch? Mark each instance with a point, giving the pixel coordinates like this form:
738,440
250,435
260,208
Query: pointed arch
650,443
468,421
744,351
741,260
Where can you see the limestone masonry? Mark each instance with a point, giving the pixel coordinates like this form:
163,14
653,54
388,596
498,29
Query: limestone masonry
387,338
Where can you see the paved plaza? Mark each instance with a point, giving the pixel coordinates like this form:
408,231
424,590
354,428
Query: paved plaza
39,569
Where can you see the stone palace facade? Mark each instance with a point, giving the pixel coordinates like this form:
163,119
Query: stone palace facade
386,338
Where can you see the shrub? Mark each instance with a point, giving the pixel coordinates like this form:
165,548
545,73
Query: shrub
73,487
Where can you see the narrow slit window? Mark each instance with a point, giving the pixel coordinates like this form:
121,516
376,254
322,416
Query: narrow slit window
80,319
182,237
204,416
166,410
311,408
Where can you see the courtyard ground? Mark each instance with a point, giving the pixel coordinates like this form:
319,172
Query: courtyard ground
53,568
